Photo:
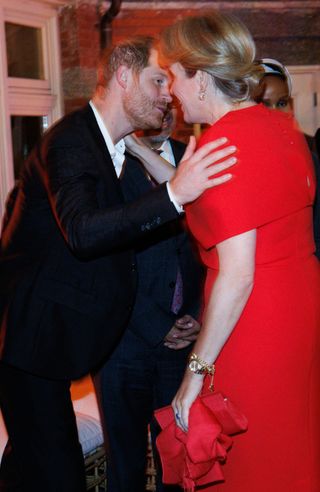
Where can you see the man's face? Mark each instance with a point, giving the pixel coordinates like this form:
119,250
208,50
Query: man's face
146,99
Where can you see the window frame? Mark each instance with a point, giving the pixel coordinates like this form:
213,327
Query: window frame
23,96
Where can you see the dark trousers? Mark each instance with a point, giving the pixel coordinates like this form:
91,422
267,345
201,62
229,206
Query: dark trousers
129,390
43,452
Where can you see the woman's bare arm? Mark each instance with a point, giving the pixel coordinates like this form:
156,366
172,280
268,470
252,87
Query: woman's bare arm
228,298
160,169
205,156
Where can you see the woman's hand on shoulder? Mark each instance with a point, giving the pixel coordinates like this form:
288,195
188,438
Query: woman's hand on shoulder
198,167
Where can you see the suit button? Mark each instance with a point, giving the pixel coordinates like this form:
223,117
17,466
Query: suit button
172,284
156,221
133,267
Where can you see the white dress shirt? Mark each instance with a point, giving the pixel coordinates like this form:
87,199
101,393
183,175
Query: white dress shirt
167,154
117,153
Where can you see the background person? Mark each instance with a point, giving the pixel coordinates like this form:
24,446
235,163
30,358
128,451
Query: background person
275,89
146,368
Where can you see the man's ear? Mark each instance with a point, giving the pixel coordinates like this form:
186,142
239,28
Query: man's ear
122,76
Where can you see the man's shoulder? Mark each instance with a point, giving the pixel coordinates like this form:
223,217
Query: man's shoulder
71,125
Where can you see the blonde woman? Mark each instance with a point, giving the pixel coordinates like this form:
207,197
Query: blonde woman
261,324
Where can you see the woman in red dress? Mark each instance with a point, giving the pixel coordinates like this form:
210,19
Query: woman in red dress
261,323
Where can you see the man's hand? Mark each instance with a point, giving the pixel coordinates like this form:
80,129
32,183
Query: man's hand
195,172
183,333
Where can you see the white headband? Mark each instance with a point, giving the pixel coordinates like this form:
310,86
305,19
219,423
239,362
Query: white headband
272,66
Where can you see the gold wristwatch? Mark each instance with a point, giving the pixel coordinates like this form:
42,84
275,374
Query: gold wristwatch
195,366
199,366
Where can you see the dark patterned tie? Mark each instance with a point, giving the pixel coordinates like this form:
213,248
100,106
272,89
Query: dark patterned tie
177,299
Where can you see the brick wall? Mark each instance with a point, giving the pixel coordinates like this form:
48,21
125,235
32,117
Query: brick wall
79,52
289,31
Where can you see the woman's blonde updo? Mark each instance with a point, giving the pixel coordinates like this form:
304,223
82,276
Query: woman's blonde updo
217,44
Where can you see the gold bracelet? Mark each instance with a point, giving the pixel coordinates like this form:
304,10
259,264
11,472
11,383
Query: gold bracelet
200,366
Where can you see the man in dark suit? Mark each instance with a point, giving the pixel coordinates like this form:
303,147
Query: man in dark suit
146,368
68,277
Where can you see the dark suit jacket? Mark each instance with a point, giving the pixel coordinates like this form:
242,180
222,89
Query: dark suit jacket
67,280
317,142
158,257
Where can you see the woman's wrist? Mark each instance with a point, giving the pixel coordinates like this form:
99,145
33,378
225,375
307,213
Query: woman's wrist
136,146
198,366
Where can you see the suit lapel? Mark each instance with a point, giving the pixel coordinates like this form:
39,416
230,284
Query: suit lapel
178,149
135,181
99,148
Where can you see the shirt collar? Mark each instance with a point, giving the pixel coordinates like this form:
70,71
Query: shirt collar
116,151
166,152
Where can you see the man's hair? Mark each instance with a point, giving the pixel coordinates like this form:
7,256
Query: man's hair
133,52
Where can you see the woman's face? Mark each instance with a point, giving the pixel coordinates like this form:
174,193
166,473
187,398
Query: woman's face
276,93
186,89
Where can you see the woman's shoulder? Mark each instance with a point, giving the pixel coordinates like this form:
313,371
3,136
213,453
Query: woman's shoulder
251,126
233,123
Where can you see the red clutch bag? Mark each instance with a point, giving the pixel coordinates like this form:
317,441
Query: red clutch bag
195,458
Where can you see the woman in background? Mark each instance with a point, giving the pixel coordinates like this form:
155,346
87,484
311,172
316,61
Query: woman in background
275,86
275,90
261,324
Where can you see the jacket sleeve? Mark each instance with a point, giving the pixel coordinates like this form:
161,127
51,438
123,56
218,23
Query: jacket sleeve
71,177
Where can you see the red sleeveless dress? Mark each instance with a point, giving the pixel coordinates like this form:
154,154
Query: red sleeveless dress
270,365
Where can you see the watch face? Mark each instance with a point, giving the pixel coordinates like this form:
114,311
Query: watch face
194,366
